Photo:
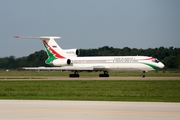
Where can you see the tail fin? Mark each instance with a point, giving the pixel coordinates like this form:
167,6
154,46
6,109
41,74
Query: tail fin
52,48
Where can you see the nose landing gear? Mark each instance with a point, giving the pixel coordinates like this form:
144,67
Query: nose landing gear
143,74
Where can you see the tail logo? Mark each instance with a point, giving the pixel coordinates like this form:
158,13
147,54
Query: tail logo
51,52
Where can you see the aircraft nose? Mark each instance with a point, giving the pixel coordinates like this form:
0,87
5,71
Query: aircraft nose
161,65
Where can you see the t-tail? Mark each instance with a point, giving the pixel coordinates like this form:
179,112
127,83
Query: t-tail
56,55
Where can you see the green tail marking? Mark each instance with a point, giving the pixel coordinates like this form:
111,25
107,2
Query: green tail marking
51,57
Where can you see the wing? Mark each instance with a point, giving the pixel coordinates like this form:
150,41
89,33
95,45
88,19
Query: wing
67,68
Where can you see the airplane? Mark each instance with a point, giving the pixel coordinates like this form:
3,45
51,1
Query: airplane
68,60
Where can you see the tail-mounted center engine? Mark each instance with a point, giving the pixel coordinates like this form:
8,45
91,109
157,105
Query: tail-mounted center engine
61,62
72,52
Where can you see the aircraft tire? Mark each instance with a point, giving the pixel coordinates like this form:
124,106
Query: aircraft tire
73,75
143,76
103,75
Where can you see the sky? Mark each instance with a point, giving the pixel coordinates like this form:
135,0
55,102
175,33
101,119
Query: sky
86,24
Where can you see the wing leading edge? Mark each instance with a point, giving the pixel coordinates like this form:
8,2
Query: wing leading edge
67,68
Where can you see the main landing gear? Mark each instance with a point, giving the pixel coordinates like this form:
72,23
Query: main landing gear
74,75
104,75
143,74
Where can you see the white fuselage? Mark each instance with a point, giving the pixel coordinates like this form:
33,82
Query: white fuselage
118,63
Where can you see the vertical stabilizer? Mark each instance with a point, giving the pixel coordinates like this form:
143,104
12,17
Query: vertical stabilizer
52,48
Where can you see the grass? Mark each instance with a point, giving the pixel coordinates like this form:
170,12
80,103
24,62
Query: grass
164,91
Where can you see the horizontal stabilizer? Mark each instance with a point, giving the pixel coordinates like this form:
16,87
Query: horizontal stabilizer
40,38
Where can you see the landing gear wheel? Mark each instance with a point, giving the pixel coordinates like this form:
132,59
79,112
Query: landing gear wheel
143,74
75,75
104,75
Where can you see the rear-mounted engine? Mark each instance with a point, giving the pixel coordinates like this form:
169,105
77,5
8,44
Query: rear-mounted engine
61,62
72,52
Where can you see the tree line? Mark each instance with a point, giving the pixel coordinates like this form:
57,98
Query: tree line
169,56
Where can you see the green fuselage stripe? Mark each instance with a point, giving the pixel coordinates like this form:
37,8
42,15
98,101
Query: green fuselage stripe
150,65
153,66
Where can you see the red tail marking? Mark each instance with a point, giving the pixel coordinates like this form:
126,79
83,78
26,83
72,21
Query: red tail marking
53,51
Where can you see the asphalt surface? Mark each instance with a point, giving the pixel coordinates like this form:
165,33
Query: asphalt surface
87,110
85,78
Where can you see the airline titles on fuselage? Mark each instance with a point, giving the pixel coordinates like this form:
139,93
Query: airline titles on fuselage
114,60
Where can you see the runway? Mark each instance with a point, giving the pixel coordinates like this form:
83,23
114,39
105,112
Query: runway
85,78
87,110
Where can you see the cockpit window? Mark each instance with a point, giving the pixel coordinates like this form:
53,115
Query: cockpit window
156,60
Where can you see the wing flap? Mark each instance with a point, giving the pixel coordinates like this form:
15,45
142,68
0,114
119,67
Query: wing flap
99,68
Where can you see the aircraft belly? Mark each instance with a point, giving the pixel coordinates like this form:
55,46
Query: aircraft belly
117,66
130,67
